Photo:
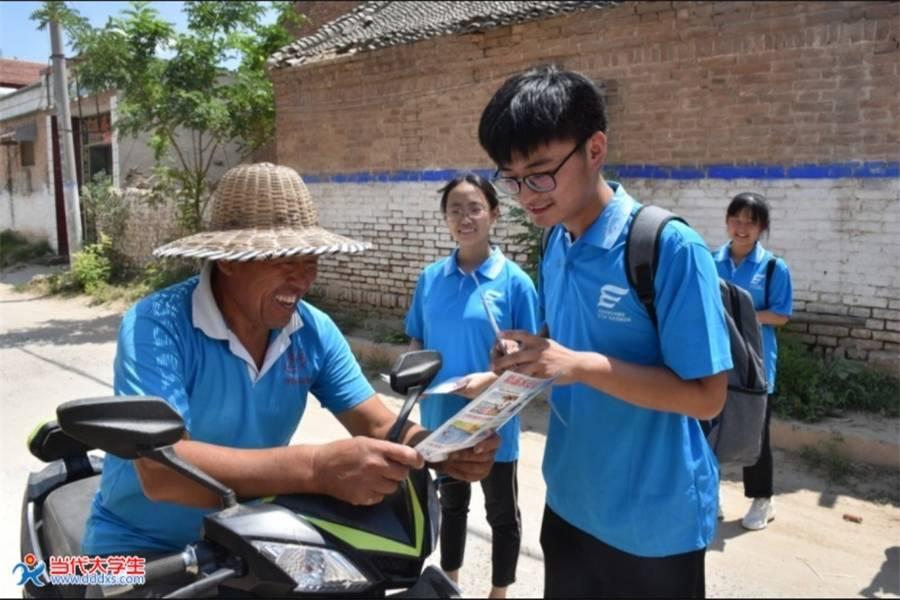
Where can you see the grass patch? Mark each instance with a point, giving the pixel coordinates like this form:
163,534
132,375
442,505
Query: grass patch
16,248
811,387
827,460
129,286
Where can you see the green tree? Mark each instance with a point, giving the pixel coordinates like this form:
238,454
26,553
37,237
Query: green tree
188,91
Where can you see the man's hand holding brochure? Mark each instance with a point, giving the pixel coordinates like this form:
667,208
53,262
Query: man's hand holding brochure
487,412
504,399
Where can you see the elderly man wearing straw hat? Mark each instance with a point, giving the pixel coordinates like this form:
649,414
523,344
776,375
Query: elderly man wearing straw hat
235,352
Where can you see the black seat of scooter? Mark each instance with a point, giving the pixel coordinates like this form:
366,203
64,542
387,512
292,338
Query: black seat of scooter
51,443
65,515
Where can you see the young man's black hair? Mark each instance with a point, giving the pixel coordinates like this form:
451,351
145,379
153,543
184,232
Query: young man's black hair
537,106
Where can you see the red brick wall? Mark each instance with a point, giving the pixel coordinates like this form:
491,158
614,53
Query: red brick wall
699,83
688,83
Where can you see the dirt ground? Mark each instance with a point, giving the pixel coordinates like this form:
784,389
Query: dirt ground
53,350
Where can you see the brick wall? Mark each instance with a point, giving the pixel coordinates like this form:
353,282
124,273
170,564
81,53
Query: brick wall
841,240
693,83
800,99
408,232
148,225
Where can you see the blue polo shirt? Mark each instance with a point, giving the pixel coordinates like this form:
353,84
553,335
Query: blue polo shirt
447,315
751,275
175,344
640,480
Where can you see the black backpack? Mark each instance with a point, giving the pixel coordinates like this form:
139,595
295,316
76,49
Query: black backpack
736,434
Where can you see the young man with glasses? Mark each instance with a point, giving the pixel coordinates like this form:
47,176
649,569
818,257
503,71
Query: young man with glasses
631,481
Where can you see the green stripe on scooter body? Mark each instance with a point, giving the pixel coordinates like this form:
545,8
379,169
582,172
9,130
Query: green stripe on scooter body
363,540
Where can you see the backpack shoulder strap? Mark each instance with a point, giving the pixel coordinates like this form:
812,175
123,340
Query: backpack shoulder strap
770,269
642,252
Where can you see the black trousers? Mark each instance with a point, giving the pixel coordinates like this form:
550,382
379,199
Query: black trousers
758,478
501,490
578,565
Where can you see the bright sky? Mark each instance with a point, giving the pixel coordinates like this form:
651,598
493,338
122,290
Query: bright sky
20,38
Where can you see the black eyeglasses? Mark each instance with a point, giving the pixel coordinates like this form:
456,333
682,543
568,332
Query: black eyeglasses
538,182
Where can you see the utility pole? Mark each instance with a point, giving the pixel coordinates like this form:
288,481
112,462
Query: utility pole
64,120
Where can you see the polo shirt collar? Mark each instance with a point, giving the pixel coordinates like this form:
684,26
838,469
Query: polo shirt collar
489,269
756,256
207,317
608,227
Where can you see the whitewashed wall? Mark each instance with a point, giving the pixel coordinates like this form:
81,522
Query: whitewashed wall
840,237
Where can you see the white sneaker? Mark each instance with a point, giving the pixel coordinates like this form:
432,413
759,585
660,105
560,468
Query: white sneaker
761,512
721,512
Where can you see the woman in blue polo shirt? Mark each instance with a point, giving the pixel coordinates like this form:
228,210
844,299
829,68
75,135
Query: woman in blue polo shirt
744,262
447,314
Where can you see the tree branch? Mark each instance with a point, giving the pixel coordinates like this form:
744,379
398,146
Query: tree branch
209,162
184,163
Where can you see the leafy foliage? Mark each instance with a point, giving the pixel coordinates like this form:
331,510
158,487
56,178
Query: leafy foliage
104,209
527,238
92,267
811,387
188,90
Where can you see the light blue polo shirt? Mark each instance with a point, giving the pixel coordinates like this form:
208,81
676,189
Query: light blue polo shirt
175,344
447,315
751,275
640,480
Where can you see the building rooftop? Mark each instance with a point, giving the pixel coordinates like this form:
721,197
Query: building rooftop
19,73
380,24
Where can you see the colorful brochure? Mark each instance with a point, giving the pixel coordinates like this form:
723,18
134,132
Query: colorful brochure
503,400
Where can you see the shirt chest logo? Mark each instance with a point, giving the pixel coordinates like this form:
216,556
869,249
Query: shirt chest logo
607,303
296,367
610,295
758,280
492,296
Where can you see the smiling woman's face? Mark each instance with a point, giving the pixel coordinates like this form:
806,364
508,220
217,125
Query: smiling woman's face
743,230
469,216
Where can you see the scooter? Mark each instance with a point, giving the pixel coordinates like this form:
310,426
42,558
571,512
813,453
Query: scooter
286,546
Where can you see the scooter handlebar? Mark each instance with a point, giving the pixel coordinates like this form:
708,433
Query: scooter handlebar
167,566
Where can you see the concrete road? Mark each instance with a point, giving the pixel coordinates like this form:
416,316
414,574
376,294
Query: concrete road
53,350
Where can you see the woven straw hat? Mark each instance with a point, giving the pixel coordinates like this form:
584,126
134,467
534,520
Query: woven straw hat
259,212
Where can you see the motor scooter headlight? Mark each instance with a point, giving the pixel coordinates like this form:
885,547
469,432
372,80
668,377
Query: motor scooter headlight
314,569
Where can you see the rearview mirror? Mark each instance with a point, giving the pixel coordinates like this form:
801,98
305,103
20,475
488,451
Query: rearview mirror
410,375
415,369
124,426
133,427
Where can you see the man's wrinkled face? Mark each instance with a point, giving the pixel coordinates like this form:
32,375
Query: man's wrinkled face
267,292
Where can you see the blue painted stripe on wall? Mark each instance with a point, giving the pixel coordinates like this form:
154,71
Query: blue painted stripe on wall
864,170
